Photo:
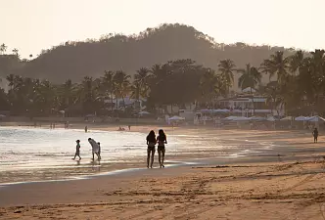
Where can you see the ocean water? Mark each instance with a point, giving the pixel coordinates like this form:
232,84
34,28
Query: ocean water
28,148
38,148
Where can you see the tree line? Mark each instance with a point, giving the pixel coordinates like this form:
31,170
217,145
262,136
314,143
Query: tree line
300,87
75,60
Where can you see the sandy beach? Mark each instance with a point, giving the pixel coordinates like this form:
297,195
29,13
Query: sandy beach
284,181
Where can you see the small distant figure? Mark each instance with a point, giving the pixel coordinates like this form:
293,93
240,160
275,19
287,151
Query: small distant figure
99,150
315,134
86,129
151,142
95,148
77,150
162,140
129,126
121,129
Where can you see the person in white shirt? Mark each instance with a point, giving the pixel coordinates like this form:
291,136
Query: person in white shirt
95,148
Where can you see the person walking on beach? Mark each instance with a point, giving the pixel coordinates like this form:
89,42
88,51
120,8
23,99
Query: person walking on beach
315,134
162,140
86,129
95,148
151,142
77,150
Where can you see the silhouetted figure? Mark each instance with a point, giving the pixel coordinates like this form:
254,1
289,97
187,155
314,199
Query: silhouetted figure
129,126
86,129
162,140
95,148
315,134
151,142
77,150
99,151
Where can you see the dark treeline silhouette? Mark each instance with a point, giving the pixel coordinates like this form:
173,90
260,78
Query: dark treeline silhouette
75,60
299,86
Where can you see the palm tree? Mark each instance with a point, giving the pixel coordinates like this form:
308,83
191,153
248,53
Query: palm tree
296,61
88,95
311,77
250,77
107,85
67,94
140,86
15,51
278,65
210,86
266,68
3,48
142,77
121,85
226,69
273,95
45,96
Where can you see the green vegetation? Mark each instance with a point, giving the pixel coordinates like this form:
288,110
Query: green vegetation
86,77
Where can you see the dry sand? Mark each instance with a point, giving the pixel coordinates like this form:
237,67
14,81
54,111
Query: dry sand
286,182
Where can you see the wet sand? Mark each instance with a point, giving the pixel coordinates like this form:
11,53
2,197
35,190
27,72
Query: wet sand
283,182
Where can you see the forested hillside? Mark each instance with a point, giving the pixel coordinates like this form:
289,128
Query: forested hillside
74,60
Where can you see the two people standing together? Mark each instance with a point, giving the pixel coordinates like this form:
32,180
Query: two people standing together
151,142
95,149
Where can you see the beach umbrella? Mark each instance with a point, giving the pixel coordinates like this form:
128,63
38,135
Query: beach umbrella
316,119
205,110
220,110
249,89
176,118
144,113
257,118
230,118
288,118
271,118
240,118
302,118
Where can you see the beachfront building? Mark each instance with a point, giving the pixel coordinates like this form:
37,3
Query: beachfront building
250,105
122,103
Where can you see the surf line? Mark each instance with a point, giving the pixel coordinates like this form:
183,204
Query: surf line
108,173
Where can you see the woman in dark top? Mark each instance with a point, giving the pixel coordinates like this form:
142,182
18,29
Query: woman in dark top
162,140
151,142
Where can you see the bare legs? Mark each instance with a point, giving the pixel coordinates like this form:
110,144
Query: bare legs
161,157
315,139
150,151
98,156
77,154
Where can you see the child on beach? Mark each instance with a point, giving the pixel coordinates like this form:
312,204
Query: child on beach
77,150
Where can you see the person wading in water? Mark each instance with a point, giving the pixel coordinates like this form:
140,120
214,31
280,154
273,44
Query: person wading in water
151,142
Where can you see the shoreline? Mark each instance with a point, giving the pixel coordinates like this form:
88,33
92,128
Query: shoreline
284,181
63,172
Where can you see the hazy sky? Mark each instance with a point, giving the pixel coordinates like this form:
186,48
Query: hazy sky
33,25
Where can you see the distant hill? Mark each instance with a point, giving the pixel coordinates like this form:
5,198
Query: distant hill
74,60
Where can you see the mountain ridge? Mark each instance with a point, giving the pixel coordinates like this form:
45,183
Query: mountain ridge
74,60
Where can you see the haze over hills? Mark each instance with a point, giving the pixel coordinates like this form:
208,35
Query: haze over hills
74,60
